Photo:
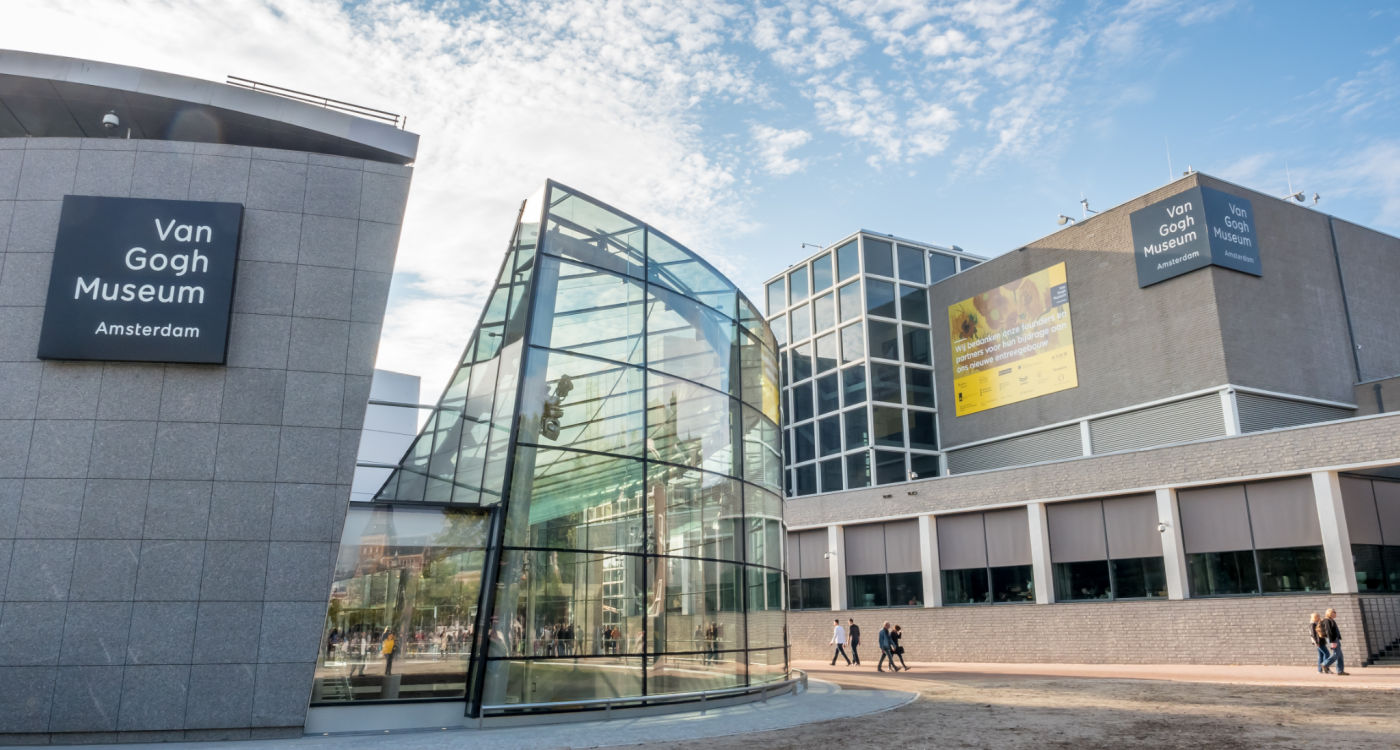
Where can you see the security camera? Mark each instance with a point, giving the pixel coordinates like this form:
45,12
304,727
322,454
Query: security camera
110,120
1161,528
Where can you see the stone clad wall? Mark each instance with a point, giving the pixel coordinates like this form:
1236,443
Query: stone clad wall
167,532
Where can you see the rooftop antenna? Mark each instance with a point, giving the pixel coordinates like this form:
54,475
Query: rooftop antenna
1295,195
1171,173
806,245
1084,205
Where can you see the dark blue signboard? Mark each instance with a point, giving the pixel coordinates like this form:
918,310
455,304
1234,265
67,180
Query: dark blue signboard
1194,229
141,280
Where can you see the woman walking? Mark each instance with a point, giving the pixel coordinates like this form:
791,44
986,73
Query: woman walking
1319,639
898,650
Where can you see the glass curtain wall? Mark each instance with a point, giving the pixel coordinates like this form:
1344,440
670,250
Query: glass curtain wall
1373,521
616,416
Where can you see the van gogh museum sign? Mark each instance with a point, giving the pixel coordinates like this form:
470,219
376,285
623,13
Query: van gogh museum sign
141,280
1198,228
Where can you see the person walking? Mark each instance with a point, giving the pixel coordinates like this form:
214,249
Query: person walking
1319,639
838,639
1333,636
897,649
387,648
854,636
886,650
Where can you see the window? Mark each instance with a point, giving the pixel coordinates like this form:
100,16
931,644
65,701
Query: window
913,304
889,427
917,349
883,567
922,432
801,362
940,267
884,339
1373,520
847,260
852,343
801,323
821,273
858,470
850,301
830,471
828,394
911,264
877,257
884,382
1260,537
857,428
829,432
804,442
808,571
889,467
797,285
826,353
776,302
853,385
879,298
1106,549
824,310
780,332
918,387
923,465
806,479
985,558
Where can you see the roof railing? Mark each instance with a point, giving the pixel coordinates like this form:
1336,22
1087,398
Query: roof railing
398,121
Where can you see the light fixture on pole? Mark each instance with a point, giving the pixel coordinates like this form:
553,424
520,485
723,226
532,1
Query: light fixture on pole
1063,220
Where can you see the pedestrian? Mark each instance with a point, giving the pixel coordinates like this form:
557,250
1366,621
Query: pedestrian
886,650
1333,636
1319,639
838,639
854,637
387,648
898,650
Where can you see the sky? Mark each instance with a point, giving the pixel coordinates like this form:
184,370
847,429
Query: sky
745,129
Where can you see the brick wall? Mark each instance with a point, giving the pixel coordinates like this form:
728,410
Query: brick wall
1252,630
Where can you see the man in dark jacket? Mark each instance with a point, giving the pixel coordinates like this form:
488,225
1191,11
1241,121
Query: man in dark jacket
886,649
1334,641
853,633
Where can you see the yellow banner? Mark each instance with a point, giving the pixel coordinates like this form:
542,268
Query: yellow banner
1012,343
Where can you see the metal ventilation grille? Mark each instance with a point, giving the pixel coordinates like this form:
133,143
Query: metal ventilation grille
1178,422
1259,413
1050,445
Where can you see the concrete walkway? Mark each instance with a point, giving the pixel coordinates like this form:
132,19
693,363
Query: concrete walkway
823,701
1366,678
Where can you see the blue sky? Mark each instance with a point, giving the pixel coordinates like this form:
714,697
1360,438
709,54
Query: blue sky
746,129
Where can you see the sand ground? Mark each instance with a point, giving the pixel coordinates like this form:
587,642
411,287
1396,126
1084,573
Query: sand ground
1091,706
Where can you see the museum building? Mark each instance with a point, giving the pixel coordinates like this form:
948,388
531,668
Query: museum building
1166,420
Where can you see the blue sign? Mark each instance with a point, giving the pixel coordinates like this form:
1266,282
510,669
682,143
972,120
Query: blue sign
1194,229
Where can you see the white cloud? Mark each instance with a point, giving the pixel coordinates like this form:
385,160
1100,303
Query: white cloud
773,147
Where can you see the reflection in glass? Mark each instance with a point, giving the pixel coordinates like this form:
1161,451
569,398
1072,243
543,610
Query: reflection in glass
824,312
940,266
847,260
802,402
911,264
966,586
853,385
857,428
801,323
829,435
923,433
889,467
826,353
1012,583
867,591
879,298
852,344
689,424
913,304
884,339
1222,573
763,460
584,230
830,471
797,285
1293,569
858,470
674,267
1139,578
692,513
776,297
918,387
884,383
877,257
851,306
802,362
923,466
689,340
888,427
780,331
584,403
821,273
585,303
569,500
828,394
804,442
806,479
917,349
1078,581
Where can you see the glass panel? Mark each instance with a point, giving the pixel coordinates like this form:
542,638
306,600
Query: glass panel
801,362
551,680
1290,569
806,480
702,598
889,467
879,298
826,353
884,383
797,285
676,268
940,266
692,513
847,260
763,459
877,257
911,264
913,304
888,427
578,402
1139,578
922,431
821,273
706,670
758,376
689,340
816,593
414,573
867,591
829,433
917,349
858,470
802,402
828,394
589,312
776,296
831,475
884,339
923,466
824,312
966,263
853,385
1078,581
804,442
580,229
852,343
801,323
851,306
857,429
1013,583
780,330
967,586
1370,568
1220,573
689,424
595,592
906,589
568,500
769,665
918,387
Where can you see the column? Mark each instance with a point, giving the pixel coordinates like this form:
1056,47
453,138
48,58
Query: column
836,564
1231,408
1173,553
1336,539
928,555
1040,553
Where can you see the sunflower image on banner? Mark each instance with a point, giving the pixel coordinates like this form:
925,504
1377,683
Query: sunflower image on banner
1013,343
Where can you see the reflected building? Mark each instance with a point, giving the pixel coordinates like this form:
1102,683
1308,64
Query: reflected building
592,509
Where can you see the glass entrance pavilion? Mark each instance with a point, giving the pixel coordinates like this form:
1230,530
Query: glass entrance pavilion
592,510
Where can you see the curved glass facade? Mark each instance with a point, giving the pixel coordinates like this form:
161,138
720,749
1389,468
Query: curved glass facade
592,511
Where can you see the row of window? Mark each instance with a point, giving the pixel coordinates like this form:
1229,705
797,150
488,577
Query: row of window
881,258
889,467
889,341
882,298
